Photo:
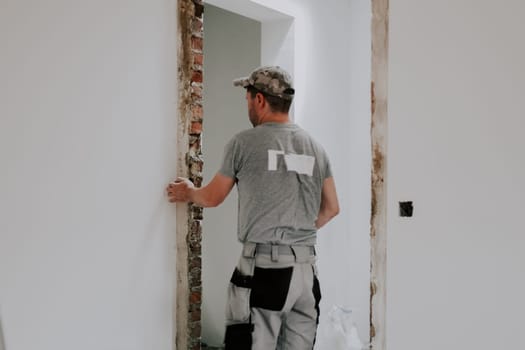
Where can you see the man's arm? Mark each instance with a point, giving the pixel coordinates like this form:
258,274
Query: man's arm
329,203
211,195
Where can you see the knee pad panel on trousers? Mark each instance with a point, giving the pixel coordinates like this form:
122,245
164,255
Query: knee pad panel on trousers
238,336
270,288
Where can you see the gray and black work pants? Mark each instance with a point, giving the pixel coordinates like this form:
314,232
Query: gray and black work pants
273,299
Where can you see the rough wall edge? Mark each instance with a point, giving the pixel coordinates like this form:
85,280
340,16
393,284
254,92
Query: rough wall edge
184,10
378,229
189,217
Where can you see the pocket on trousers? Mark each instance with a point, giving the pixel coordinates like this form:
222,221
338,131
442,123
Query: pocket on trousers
270,288
239,288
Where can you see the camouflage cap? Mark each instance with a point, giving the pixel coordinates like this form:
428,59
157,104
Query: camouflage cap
272,80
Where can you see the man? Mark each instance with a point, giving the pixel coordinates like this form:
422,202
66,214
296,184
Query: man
286,193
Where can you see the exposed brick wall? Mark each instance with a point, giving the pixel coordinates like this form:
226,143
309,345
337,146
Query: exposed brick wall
190,106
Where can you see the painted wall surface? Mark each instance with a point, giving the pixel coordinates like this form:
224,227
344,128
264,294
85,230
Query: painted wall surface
231,50
455,270
87,144
278,44
331,66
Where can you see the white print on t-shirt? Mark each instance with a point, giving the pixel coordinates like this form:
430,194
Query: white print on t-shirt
300,163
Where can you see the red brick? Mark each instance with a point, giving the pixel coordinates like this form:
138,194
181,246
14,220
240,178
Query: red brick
198,59
196,128
196,77
195,297
196,43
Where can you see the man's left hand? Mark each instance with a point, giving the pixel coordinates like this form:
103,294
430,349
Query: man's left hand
180,190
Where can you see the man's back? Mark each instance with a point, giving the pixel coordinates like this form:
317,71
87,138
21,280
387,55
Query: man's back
279,170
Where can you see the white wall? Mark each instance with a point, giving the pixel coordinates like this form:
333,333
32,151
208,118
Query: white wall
231,50
455,270
277,44
331,66
87,144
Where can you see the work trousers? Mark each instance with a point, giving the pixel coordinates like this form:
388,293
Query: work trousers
273,299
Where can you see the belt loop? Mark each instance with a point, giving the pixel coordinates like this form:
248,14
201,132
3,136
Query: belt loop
295,255
248,250
303,254
275,253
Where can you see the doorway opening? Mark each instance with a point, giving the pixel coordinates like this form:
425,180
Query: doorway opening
191,300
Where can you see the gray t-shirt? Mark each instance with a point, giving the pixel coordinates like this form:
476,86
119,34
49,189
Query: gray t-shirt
279,170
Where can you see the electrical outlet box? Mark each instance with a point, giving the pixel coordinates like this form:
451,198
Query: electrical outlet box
406,209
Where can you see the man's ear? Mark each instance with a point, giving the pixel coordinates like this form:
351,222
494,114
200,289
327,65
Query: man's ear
260,98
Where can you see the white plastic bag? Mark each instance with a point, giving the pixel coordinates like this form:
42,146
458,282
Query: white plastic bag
338,331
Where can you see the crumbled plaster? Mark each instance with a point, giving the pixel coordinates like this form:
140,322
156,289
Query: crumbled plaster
189,216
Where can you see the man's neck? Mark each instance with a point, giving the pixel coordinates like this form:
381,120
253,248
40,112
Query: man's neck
281,118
